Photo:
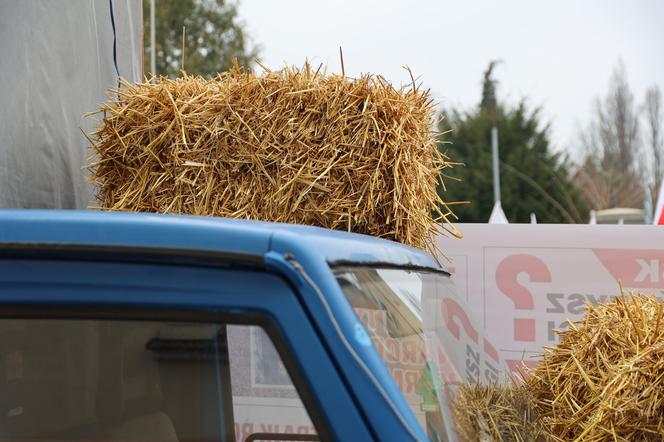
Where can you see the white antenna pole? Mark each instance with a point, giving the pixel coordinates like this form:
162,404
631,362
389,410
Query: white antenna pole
153,46
496,168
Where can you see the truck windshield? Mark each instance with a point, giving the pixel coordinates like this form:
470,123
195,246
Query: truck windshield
419,327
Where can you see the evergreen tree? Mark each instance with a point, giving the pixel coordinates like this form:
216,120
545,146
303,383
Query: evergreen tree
489,101
533,178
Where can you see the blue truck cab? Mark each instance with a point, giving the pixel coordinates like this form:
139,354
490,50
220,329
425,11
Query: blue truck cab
146,327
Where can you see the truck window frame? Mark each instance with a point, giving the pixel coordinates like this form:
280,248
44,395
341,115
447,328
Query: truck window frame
18,306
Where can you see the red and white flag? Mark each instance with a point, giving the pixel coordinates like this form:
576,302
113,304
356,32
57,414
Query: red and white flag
659,208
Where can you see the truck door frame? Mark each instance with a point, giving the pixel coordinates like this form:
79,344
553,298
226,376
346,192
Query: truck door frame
71,289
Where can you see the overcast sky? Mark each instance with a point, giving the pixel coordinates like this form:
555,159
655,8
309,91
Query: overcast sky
559,54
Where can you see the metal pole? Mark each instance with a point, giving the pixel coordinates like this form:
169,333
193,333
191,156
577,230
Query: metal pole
153,46
496,168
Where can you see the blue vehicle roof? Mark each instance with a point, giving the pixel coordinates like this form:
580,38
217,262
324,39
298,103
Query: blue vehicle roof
303,255
92,229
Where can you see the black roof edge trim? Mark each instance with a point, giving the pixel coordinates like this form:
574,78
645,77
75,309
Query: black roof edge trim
156,255
387,265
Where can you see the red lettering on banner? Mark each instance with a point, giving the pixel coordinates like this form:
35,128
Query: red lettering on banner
247,429
447,372
411,378
524,330
406,379
517,365
409,352
507,273
393,351
490,350
373,320
303,430
268,428
634,268
453,310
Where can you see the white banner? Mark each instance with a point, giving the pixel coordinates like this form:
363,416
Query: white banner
522,281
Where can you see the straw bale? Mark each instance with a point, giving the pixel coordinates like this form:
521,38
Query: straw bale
605,378
495,413
294,145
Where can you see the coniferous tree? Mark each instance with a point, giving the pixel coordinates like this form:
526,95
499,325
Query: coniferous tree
533,178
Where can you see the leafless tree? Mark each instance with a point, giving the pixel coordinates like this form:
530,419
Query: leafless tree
618,124
612,143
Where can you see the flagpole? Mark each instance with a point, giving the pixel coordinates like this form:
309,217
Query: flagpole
153,54
496,168
494,144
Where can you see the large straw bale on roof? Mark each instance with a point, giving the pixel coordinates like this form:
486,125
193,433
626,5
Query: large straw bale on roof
295,146
604,381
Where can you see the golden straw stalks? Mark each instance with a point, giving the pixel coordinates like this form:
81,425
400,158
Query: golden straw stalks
604,381
295,145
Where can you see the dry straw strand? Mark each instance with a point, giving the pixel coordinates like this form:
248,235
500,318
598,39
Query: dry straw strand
495,413
604,380
294,145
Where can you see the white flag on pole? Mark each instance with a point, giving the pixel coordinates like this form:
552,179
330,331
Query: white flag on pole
593,217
